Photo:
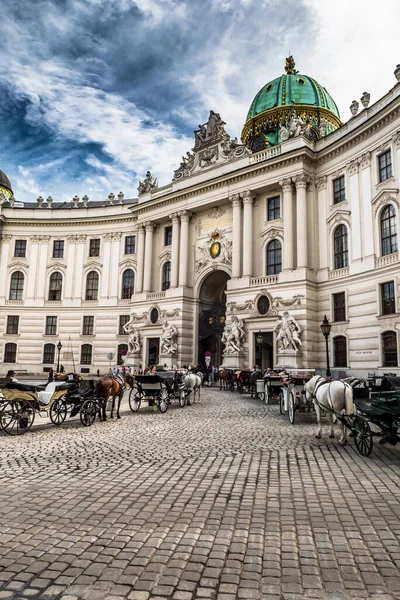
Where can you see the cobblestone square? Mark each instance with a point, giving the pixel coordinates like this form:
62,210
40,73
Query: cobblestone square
220,500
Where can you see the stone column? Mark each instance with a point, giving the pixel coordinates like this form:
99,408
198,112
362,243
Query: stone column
140,260
5,257
301,182
354,202
287,250
148,256
105,279
322,254
367,216
248,199
236,234
70,273
183,259
42,270
115,284
80,260
175,250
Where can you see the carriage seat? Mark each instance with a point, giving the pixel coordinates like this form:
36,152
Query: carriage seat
23,387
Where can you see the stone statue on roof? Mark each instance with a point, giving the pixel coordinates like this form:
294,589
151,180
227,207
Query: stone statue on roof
149,184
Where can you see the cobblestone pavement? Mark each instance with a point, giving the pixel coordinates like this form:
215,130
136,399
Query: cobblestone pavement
221,500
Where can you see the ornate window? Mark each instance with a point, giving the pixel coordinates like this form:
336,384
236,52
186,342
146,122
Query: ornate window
340,351
154,316
88,325
20,248
128,284
55,287
51,326
94,247
274,208
92,286
130,244
12,324
341,247
168,236
263,305
49,352
388,302
166,276
339,306
388,230
10,353
389,349
17,285
122,350
385,165
274,257
86,354
58,249
123,319
339,190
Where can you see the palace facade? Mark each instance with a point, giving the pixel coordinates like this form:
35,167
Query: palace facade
302,216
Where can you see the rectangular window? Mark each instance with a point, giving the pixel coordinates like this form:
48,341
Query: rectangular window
51,326
388,302
94,247
20,248
339,190
168,236
130,244
10,353
385,165
86,354
123,319
88,326
58,249
339,307
12,324
274,208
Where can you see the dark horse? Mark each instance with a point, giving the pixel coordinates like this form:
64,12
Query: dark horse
109,387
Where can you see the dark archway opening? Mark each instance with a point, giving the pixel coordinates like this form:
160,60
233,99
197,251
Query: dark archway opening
212,315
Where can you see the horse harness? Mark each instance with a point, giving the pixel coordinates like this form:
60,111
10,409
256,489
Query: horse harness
318,385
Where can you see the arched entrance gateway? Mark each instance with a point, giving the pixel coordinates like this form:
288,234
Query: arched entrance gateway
212,314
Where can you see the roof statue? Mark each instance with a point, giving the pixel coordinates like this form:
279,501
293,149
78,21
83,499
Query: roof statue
289,106
149,184
212,145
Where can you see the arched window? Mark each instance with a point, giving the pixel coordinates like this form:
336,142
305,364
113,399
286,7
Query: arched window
274,257
10,353
17,285
92,286
388,230
122,350
340,351
128,283
55,286
166,276
341,247
49,352
389,349
86,354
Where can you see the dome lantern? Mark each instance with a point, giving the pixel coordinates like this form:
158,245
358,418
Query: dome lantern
288,98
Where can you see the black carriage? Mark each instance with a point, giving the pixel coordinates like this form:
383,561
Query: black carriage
174,383
293,397
270,388
21,402
149,388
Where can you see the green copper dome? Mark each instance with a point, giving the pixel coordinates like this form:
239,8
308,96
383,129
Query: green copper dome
291,90
289,106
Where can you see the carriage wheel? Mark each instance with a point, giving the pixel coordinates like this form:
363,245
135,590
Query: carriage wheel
134,399
16,417
281,402
58,412
362,436
292,407
182,398
88,412
163,400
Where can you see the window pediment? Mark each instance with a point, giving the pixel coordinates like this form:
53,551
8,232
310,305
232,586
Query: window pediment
340,215
273,231
18,263
57,266
93,265
385,196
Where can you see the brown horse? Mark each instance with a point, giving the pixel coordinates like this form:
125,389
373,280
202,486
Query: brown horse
225,379
107,387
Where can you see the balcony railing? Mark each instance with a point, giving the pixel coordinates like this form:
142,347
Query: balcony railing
337,273
267,280
265,154
389,259
155,295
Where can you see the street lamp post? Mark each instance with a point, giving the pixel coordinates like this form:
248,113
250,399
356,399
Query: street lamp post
326,330
59,346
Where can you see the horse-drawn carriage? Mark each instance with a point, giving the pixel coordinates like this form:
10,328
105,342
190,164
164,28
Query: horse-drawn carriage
293,396
158,390
270,388
21,402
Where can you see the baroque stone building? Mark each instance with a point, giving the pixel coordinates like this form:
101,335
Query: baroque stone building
301,217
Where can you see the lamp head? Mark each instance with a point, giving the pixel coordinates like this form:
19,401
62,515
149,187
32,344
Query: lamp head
326,327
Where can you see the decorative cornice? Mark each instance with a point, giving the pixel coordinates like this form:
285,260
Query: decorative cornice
320,182
365,160
39,239
353,166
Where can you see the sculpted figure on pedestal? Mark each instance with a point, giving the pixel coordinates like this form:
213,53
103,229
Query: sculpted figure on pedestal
233,336
288,333
169,339
134,343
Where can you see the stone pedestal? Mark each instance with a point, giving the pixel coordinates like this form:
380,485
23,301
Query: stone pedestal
133,360
233,361
289,359
168,359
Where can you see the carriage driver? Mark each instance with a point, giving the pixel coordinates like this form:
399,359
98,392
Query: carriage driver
11,376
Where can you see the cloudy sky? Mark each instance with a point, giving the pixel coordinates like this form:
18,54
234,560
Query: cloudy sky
95,92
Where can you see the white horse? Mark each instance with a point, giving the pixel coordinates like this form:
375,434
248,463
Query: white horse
191,383
336,397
